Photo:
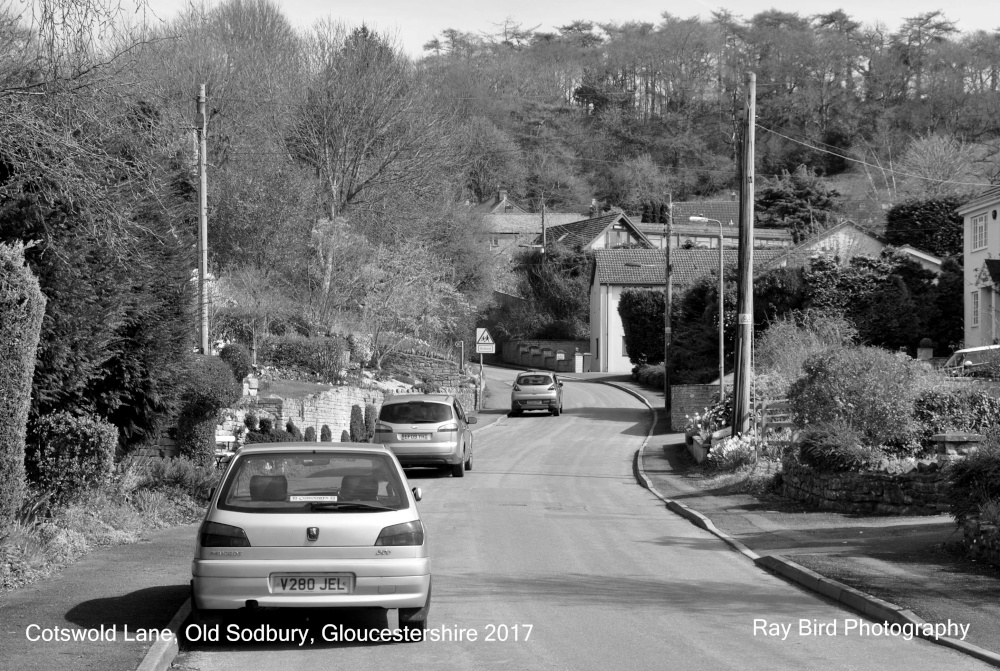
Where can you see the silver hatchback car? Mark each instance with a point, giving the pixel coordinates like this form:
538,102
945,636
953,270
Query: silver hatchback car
536,390
427,430
299,525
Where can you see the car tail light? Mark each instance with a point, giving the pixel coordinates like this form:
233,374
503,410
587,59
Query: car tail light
408,533
517,387
383,427
552,387
215,535
448,427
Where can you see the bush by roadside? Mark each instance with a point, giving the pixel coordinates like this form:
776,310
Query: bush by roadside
140,494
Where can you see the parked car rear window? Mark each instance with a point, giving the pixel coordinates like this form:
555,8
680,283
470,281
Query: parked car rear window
415,412
301,482
534,380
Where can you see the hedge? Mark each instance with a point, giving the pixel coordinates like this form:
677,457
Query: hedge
237,357
69,454
210,388
22,307
323,356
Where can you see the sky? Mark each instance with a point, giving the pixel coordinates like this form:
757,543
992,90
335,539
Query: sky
414,22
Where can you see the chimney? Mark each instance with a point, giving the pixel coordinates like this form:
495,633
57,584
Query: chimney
732,196
593,207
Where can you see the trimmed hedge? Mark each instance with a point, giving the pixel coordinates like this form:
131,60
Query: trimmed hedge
939,411
371,417
641,312
309,435
22,307
325,435
357,425
210,388
238,358
69,454
345,437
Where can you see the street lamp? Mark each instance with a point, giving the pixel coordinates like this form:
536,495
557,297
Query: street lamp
722,366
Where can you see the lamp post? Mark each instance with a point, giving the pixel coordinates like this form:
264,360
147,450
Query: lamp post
722,351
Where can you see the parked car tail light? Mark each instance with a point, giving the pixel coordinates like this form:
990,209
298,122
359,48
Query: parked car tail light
517,388
552,387
383,427
215,535
448,427
408,533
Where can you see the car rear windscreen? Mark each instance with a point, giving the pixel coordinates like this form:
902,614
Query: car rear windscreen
415,412
307,482
534,380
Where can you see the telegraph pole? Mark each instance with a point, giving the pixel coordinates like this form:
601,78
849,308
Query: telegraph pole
668,294
744,301
202,129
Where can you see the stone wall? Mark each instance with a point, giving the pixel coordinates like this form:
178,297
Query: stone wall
690,399
542,354
442,372
921,491
982,541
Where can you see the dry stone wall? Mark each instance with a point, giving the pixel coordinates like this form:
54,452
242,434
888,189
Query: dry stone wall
982,541
920,491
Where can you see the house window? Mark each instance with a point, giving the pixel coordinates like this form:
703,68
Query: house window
979,232
624,349
495,241
975,308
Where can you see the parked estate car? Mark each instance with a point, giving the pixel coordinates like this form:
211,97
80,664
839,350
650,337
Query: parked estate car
536,390
427,430
301,525
974,361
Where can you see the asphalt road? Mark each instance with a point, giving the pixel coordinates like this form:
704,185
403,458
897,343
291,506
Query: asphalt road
550,544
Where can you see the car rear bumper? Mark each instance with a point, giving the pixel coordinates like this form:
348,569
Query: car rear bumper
391,583
434,454
534,404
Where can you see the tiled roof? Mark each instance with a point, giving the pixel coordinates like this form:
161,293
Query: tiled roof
583,232
687,264
526,224
804,249
713,230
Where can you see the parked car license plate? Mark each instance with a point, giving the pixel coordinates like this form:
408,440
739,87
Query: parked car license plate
415,436
315,583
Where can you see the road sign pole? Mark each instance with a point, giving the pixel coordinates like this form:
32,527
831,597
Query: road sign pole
482,380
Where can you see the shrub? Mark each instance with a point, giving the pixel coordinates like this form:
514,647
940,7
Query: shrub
783,348
68,453
975,481
186,475
362,347
732,453
836,447
937,411
293,430
237,357
22,307
357,425
345,437
867,388
266,425
325,435
251,422
323,356
309,435
641,312
210,388
371,417
649,375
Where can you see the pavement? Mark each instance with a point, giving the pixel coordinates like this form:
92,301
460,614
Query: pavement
897,569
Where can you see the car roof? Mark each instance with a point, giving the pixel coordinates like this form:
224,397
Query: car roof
315,447
434,398
976,349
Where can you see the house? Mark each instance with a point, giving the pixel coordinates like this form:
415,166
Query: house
506,232
618,269
599,232
981,253
686,234
845,241
500,204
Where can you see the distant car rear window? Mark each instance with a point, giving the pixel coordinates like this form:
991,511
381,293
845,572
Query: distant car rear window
534,380
415,412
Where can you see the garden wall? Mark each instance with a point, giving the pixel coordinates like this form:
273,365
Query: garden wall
921,491
427,369
542,353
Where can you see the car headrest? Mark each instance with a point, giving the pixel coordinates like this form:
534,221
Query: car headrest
358,488
268,488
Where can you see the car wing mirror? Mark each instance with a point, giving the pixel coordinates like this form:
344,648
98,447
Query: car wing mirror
472,420
417,494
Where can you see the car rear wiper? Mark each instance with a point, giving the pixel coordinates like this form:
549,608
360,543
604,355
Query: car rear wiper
345,505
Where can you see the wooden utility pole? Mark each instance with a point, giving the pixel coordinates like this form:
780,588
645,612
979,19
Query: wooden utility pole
744,300
202,128
668,294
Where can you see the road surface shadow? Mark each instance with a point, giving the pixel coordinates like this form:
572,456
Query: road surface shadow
142,609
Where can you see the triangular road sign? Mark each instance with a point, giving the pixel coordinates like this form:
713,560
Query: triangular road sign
483,337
